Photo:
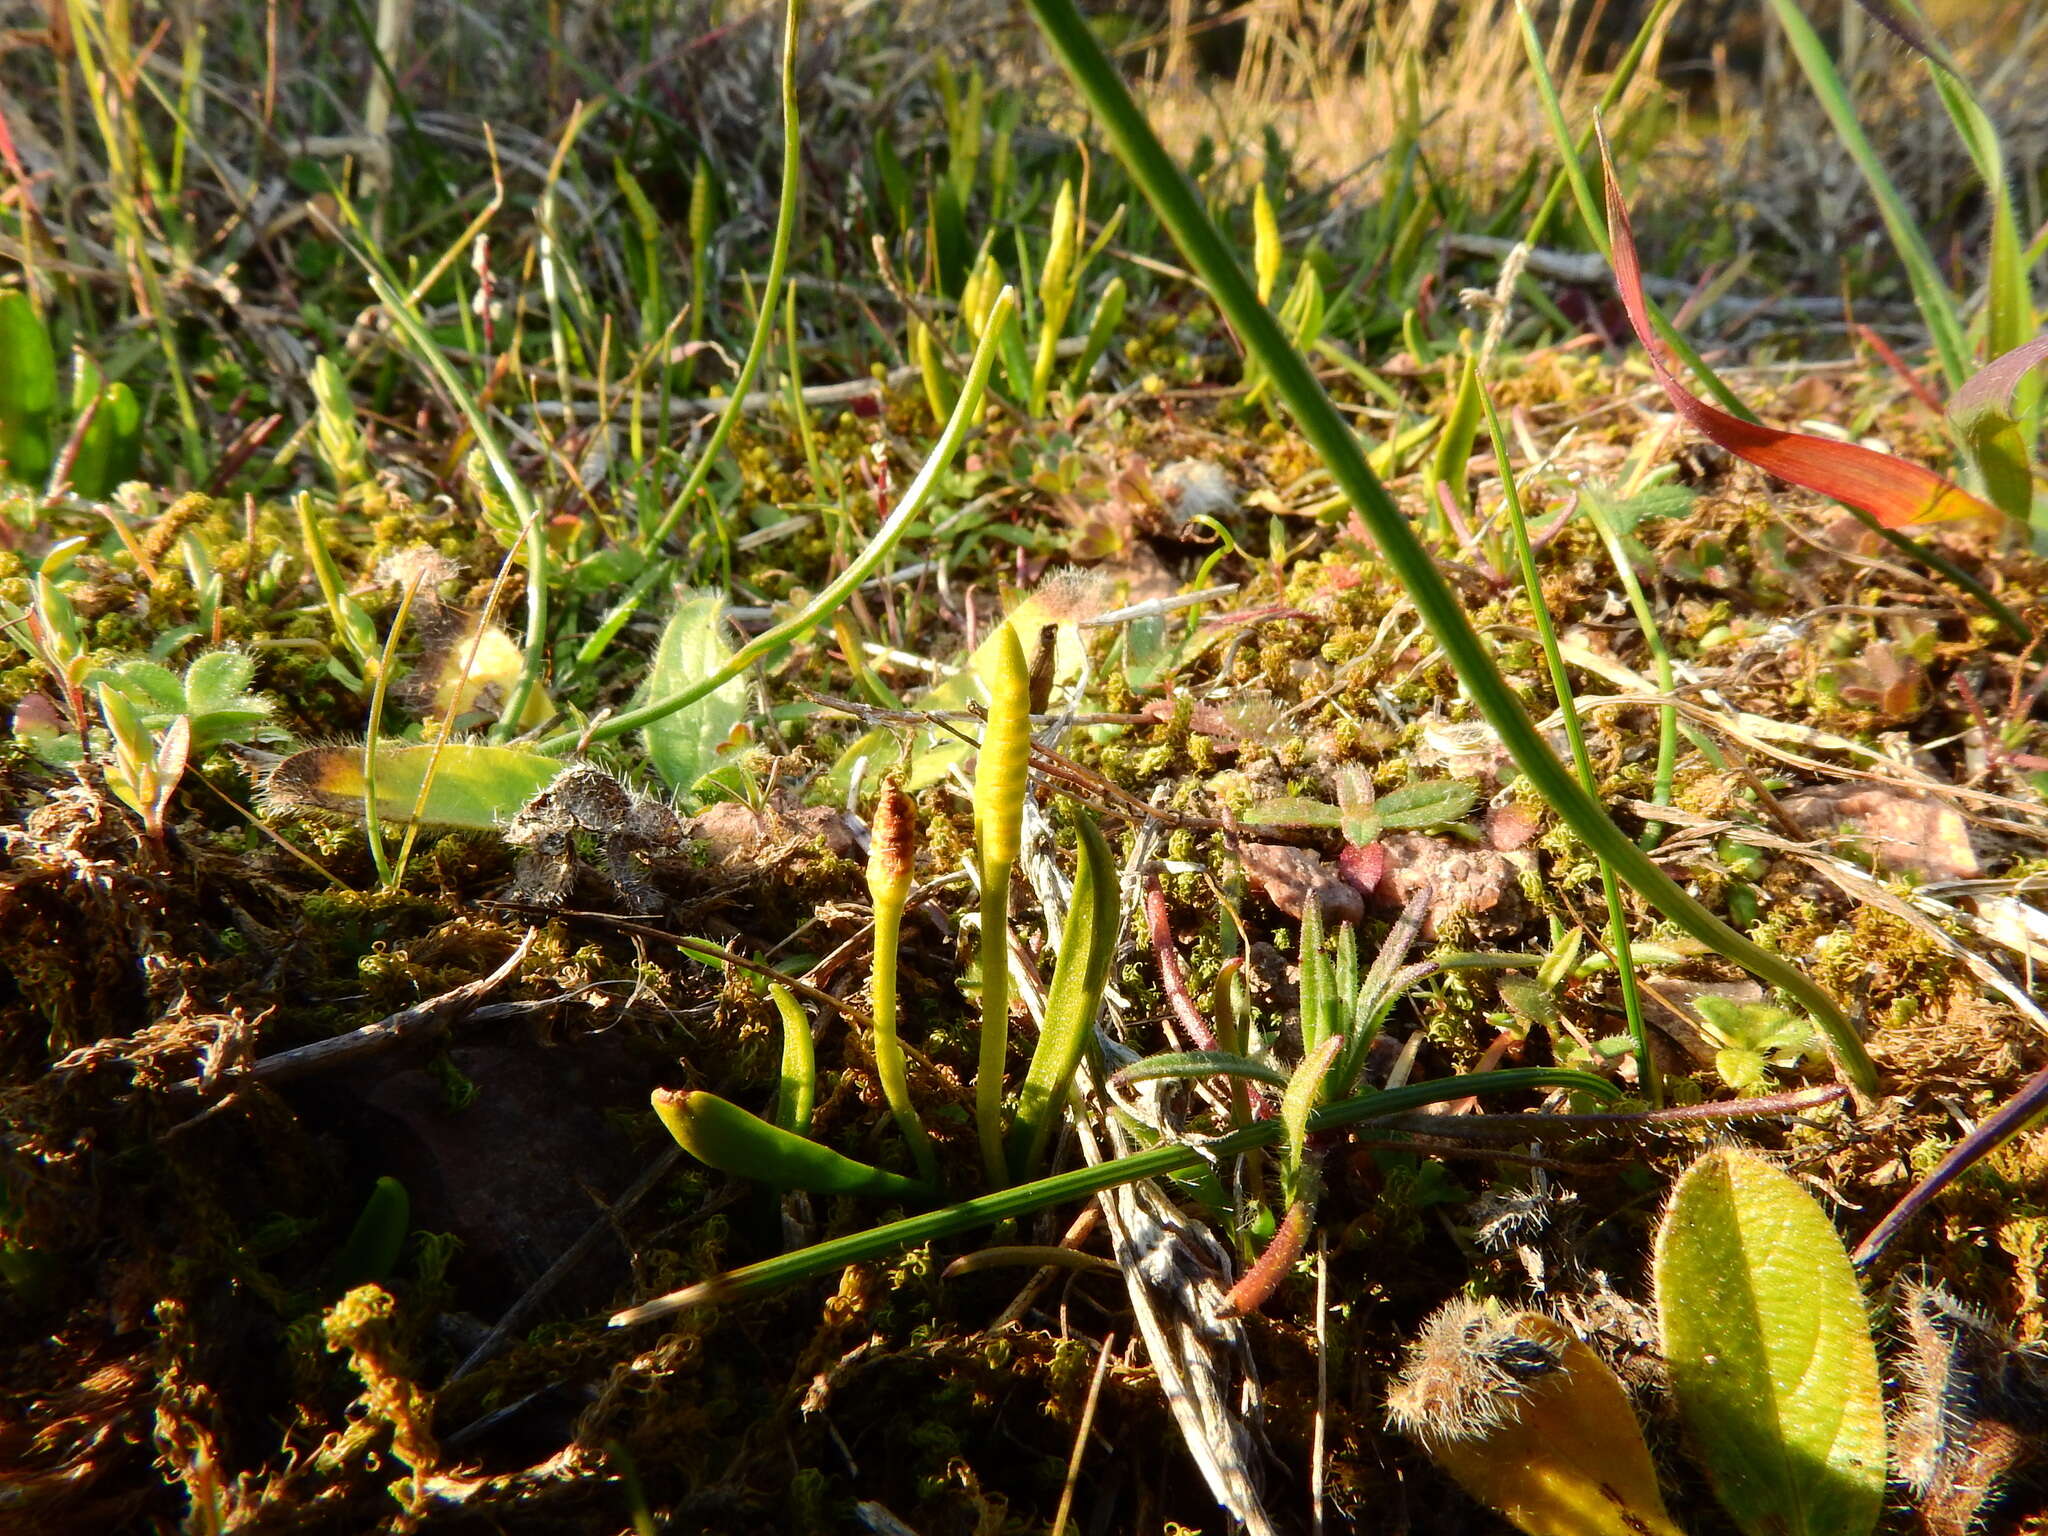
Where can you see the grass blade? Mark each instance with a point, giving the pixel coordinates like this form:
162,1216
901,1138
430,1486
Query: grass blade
1937,305
1079,1183
1180,210
1087,945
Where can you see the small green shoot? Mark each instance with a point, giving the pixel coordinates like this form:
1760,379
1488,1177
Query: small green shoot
1754,1038
684,746
721,1135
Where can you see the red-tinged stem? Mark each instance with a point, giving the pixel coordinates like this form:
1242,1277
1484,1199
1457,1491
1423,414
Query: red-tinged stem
1897,364
1173,978
1264,1277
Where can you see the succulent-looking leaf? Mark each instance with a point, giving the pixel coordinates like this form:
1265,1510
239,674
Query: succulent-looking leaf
1895,491
474,785
1074,998
1531,1421
684,745
798,1092
1768,1344
723,1136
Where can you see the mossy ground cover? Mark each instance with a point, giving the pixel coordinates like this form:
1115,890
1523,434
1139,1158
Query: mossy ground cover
214,1321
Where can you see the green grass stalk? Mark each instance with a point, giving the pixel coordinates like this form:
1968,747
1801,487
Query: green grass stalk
1080,1183
1575,733
771,292
1180,210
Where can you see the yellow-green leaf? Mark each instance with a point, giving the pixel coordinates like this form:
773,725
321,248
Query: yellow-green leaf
1768,1344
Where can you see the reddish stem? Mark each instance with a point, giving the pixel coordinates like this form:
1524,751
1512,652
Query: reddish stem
1264,1277
1173,978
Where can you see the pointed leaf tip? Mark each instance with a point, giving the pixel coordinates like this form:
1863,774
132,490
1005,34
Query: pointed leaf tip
1895,491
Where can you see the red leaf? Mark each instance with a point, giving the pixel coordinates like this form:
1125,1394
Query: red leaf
1895,491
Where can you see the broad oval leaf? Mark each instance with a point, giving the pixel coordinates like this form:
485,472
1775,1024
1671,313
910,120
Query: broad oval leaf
684,745
1768,1344
473,785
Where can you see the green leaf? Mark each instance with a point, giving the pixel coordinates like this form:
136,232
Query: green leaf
684,745
1768,1344
1291,811
376,1240
219,681
1304,1092
1430,803
1087,945
893,176
28,389
1622,516
724,1136
1985,414
799,1088
146,682
1356,799
473,785
1193,1064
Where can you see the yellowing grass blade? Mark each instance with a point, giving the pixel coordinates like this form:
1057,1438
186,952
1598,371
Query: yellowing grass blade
1895,491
